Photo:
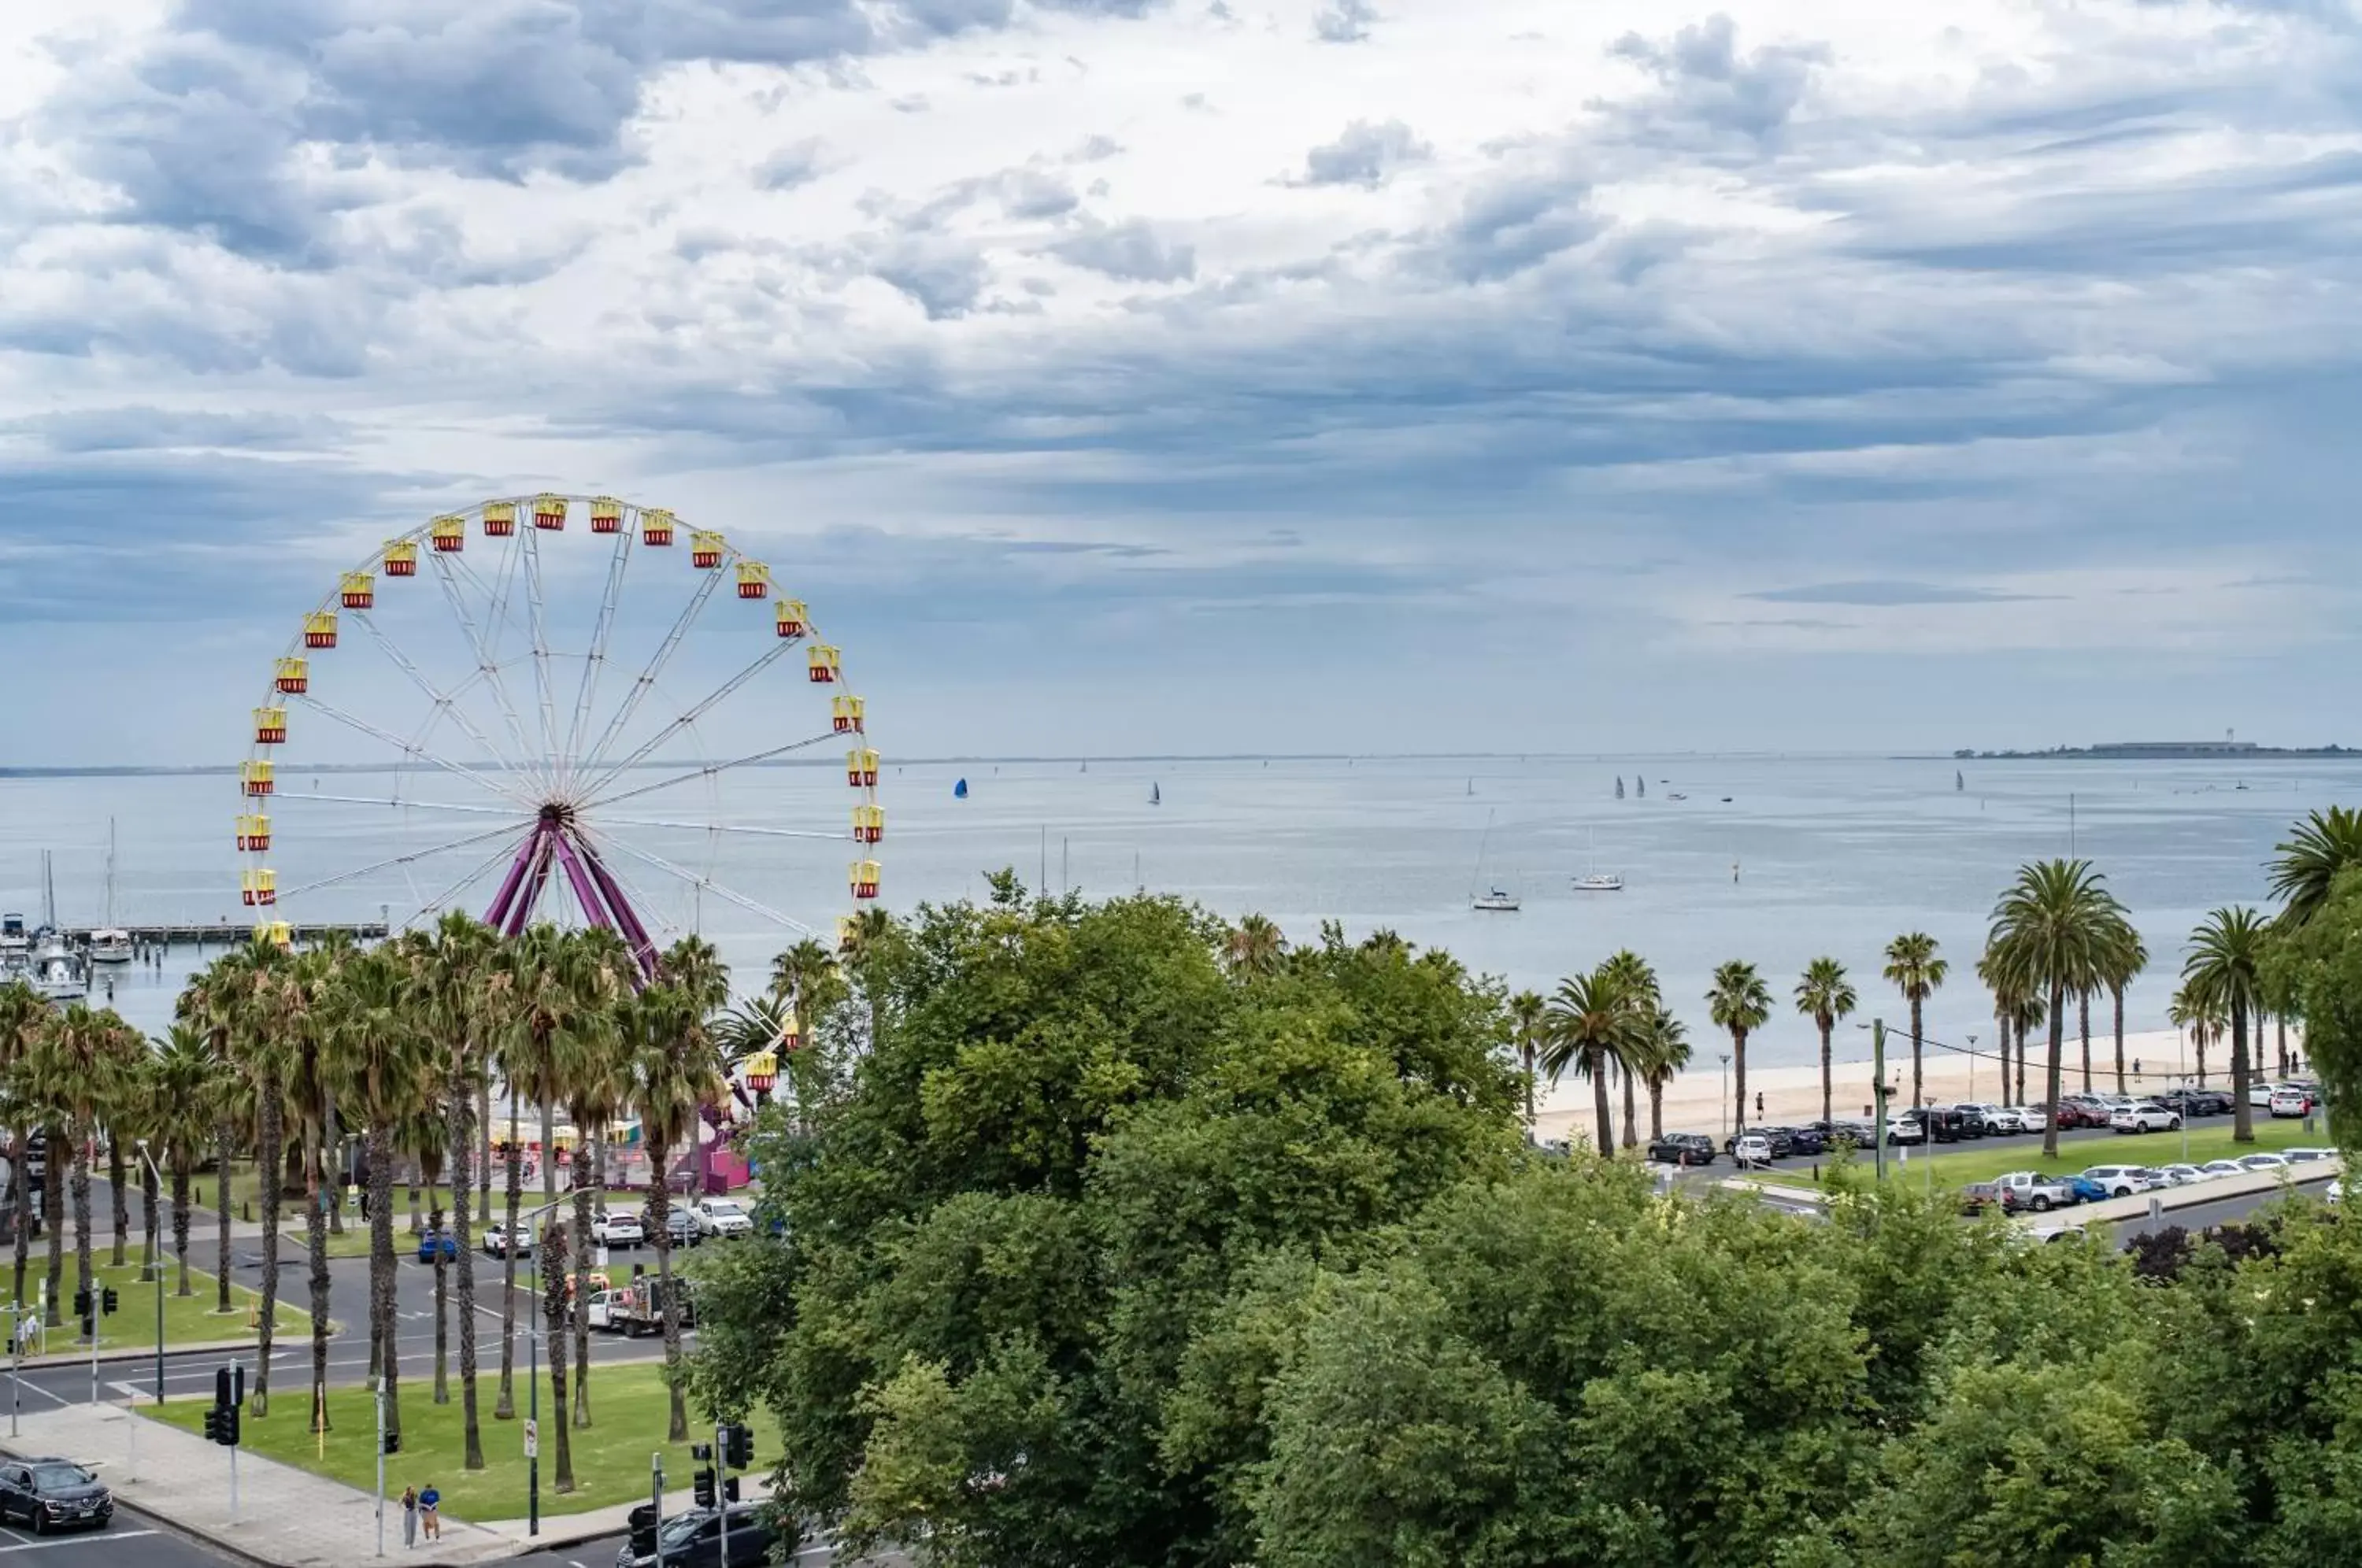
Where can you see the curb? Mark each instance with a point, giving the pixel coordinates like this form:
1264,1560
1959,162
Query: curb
148,1352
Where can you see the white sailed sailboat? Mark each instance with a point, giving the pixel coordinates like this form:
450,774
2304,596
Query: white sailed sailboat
1494,898
1596,880
110,943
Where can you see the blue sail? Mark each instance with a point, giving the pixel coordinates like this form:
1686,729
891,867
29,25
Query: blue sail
959,790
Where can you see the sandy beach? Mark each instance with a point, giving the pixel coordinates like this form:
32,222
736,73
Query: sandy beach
1698,1101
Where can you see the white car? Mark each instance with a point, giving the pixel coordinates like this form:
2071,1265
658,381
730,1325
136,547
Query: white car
601,1311
2285,1101
2125,1181
2147,1116
2224,1168
499,1240
2259,1094
617,1231
2263,1162
2307,1156
1753,1149
2181,1175
721,1216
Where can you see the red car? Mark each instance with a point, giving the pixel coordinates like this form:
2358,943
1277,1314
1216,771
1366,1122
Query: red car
2081,1110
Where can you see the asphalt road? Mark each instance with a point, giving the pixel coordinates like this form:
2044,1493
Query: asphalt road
2089,1146
131,1540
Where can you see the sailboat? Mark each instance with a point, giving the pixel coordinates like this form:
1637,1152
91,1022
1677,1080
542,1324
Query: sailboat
1493,900
1156,795
1640,786
1619,786
1596,880
1472,789
110,943
1959,781
959,790
59,972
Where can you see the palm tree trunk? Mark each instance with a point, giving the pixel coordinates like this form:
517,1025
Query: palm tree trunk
2083,1006
1527,1049
1599,1104
118,1191
2118,993
317,1202
382,1267
1829,1089
331,1145
484,1150
82,1275
268,1157
1655,1109
1916,1091
660,1212
2279,1027
504,1407
553,1306
461,1138
442,1326
2243,1115
149,1260
2058,1051
1631,1112
182,1179
2198,1044
581,1311
220,1216
417,1222
1739,1066
53,1220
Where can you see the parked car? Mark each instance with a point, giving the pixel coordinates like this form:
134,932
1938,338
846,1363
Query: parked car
2035,1191
2224,1168
426,1245
2264,1161
2196,1102
2287,1100
684,1230
1753,1149
1908,1128
2082,1110
2010,1119
2181,1175
1781,1140
2144,1116
721,1216
2085,1189
1807,1142
2307,1156
2125,1181
1682,1149
617,1230
695,1540
52,1493
499,1240
2259,1093
1979,1195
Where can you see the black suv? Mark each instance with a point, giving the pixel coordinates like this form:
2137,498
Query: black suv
1784,1140
2190,1102
52,1493
693,1539
1682,1149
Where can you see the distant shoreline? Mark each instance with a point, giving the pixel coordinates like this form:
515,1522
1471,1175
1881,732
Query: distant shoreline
2154,751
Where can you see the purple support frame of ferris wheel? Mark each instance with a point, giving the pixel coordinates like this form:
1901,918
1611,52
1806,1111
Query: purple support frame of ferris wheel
627,920
521,915
586,892
497,916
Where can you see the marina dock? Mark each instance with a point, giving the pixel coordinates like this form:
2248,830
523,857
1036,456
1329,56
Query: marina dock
228,932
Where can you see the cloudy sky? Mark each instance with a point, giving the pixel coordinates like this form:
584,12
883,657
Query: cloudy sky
1149,375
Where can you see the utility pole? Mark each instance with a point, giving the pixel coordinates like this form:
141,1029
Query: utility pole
656,1500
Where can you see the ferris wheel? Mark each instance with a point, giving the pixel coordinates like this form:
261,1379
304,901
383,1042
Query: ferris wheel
559,708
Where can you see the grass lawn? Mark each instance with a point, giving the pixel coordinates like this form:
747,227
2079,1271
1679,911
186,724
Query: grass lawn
628,1407
2210,1141
245,1202
188,1319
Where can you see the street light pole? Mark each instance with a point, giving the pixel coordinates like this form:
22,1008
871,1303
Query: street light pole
158,1176
532,1371
1726,1091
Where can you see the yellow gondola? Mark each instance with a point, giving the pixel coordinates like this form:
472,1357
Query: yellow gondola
549,513
320,629
254,778
849,712
864,876
791,617
400,558
499,519
259,888
705,547
763,1070
253,831
295,675
868,823
271,726
277,933
656,527
361,591
449,534
845,928
824,665
606,515
753,579
861,768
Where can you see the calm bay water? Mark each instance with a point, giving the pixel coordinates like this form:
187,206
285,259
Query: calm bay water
1832,855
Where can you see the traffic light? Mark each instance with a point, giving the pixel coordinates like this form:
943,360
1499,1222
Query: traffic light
393,1443
221,1424
737,1446
106,1300
702,1453
213,1414
730,1489
229,1425
701,1487
82,1301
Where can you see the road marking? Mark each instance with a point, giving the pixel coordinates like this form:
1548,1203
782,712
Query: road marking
97,1538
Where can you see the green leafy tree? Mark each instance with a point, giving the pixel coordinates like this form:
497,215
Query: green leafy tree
1740,1002
1916,967
1826,995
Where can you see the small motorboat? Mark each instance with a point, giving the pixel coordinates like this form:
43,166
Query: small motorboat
1497,901
110,945
1599,882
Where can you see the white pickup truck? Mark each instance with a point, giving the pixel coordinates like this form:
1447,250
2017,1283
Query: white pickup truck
721,1216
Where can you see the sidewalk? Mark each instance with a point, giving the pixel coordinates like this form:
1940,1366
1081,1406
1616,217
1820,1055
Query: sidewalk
287,1518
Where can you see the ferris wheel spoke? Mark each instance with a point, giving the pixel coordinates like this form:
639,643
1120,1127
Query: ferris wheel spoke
449,569
407,748
511,830
723,827
640,900
399,804
709,884
505,852
709,770
445,702
595,660
647,678
532,552
690,714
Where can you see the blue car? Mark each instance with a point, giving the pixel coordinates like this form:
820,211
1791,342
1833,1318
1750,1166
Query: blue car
2086,1190
428,1241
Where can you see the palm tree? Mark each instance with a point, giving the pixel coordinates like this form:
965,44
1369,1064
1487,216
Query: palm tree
80,1068
1740,1002
527,996
1914,968
1592,1024
2226,953
2123,958
310,999
673,1078
207,1004
1528,1026
2321,846
864,938
1990,971
1255,947
450,987
22,1011
593,1069
1665,1052
553,1306
187,1085
1639,983
1825,995
2049,929
2031,1014
692,967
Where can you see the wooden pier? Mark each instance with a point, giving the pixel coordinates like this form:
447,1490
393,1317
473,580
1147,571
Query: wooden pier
228,932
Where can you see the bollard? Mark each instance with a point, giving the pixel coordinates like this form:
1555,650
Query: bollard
2156,1208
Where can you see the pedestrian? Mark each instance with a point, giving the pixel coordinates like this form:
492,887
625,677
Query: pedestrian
410,1515
2136,1072
429,1502
1759,1105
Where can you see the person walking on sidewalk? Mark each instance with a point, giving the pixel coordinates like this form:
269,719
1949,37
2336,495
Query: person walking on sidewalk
429,1502
410,1515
